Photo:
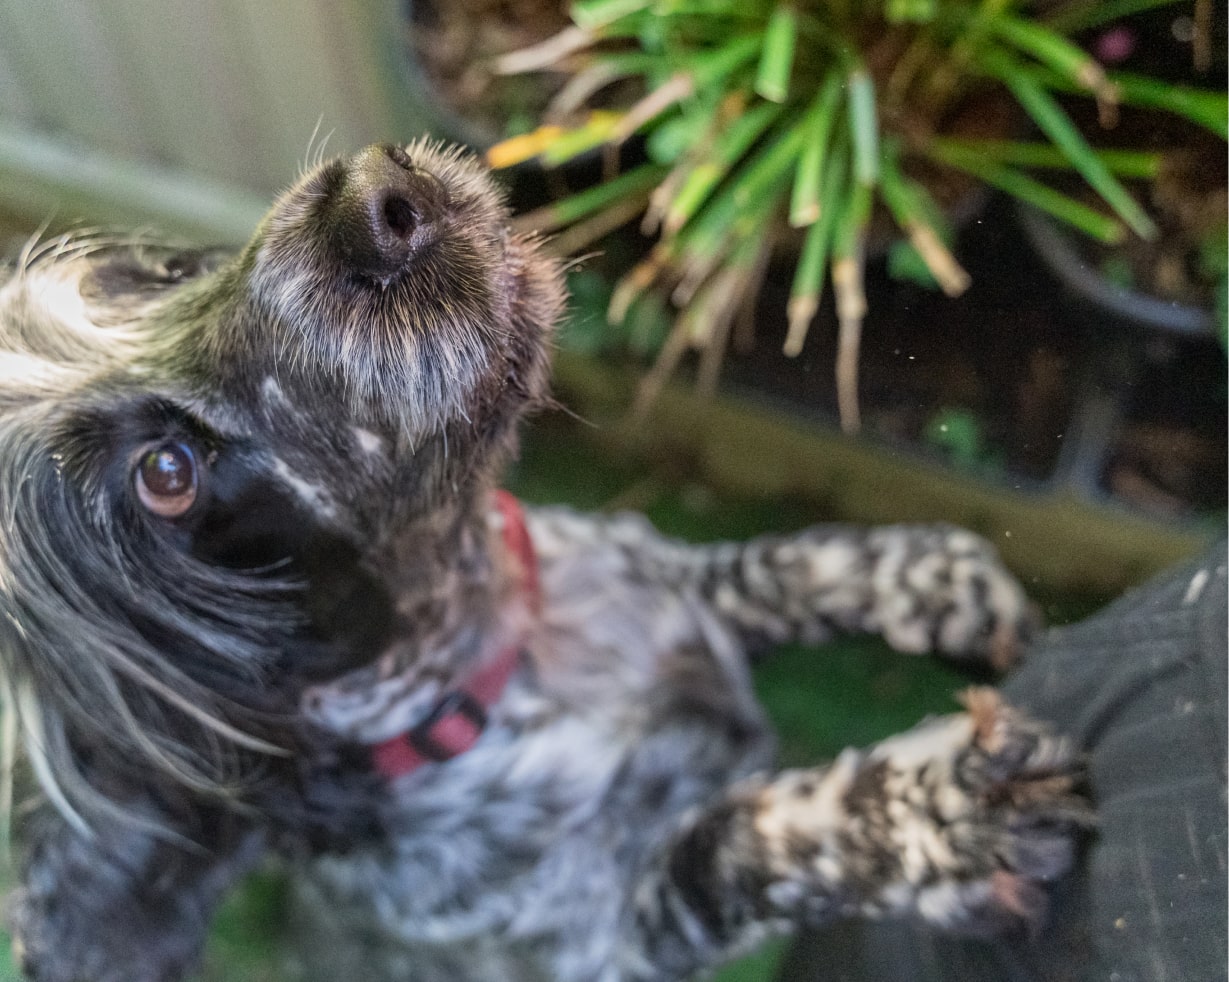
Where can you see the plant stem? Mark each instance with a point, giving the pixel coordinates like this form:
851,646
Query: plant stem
588,81
635,281
696,164
584,233
733,144
812,265
863,127
850,293
851,309
655,379
545,53
679,87
728,293
909,204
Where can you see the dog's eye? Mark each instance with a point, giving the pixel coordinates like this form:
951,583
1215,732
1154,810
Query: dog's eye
166,479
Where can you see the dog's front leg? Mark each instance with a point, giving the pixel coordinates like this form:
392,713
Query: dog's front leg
956,822
923,587
124,903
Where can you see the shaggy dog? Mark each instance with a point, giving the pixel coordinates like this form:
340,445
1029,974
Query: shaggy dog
259,594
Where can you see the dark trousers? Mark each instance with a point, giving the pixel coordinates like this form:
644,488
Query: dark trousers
1142,685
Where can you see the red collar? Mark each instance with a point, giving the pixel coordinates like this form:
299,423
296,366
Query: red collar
459,717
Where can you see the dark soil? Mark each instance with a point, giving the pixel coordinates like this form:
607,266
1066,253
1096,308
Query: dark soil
455,42
1188,199
1002,355
1168,452
993,381
1189,203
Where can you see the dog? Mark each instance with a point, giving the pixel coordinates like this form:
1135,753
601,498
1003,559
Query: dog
262,596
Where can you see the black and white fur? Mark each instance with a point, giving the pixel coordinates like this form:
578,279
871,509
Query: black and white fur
246,533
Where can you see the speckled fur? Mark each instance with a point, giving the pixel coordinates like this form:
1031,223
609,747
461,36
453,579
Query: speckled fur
198,693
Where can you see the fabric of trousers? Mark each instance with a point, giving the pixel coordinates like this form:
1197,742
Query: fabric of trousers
1142,687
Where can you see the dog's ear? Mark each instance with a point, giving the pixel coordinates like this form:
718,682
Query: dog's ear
142,270
128,662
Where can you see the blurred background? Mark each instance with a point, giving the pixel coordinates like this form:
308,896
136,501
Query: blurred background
1064,404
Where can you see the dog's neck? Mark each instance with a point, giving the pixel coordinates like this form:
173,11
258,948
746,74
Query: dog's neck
460,716
459,596
441,570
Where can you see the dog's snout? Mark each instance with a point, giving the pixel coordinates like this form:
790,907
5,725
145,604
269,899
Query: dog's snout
385,211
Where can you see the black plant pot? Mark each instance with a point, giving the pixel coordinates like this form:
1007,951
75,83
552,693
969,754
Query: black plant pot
1058,251
1149,426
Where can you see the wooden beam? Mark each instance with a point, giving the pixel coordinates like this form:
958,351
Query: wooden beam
1050,538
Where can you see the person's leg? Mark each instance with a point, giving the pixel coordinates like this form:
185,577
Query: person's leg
1142,687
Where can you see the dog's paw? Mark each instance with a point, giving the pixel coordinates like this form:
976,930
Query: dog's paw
945,589
984,809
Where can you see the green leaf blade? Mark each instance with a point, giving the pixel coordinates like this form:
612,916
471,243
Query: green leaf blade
1133,164
807,286
864,126
777,56
1205,108
600,196
593,15
1089,221
805,204
732,145
1055,124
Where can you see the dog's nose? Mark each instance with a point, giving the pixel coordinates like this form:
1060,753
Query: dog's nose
385,211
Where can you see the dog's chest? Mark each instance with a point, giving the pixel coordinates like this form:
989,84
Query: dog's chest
629,711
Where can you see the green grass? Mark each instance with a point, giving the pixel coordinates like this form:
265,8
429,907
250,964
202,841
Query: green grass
243,945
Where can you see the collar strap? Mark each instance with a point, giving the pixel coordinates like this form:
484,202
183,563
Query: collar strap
458,719
520,545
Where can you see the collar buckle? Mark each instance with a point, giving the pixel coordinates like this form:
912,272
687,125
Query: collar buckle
450,728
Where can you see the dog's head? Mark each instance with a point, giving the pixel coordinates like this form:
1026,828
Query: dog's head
199,453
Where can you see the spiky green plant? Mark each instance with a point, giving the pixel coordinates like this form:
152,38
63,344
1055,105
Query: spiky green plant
764,116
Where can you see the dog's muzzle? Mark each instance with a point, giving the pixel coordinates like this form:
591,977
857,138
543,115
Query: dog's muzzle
385,212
